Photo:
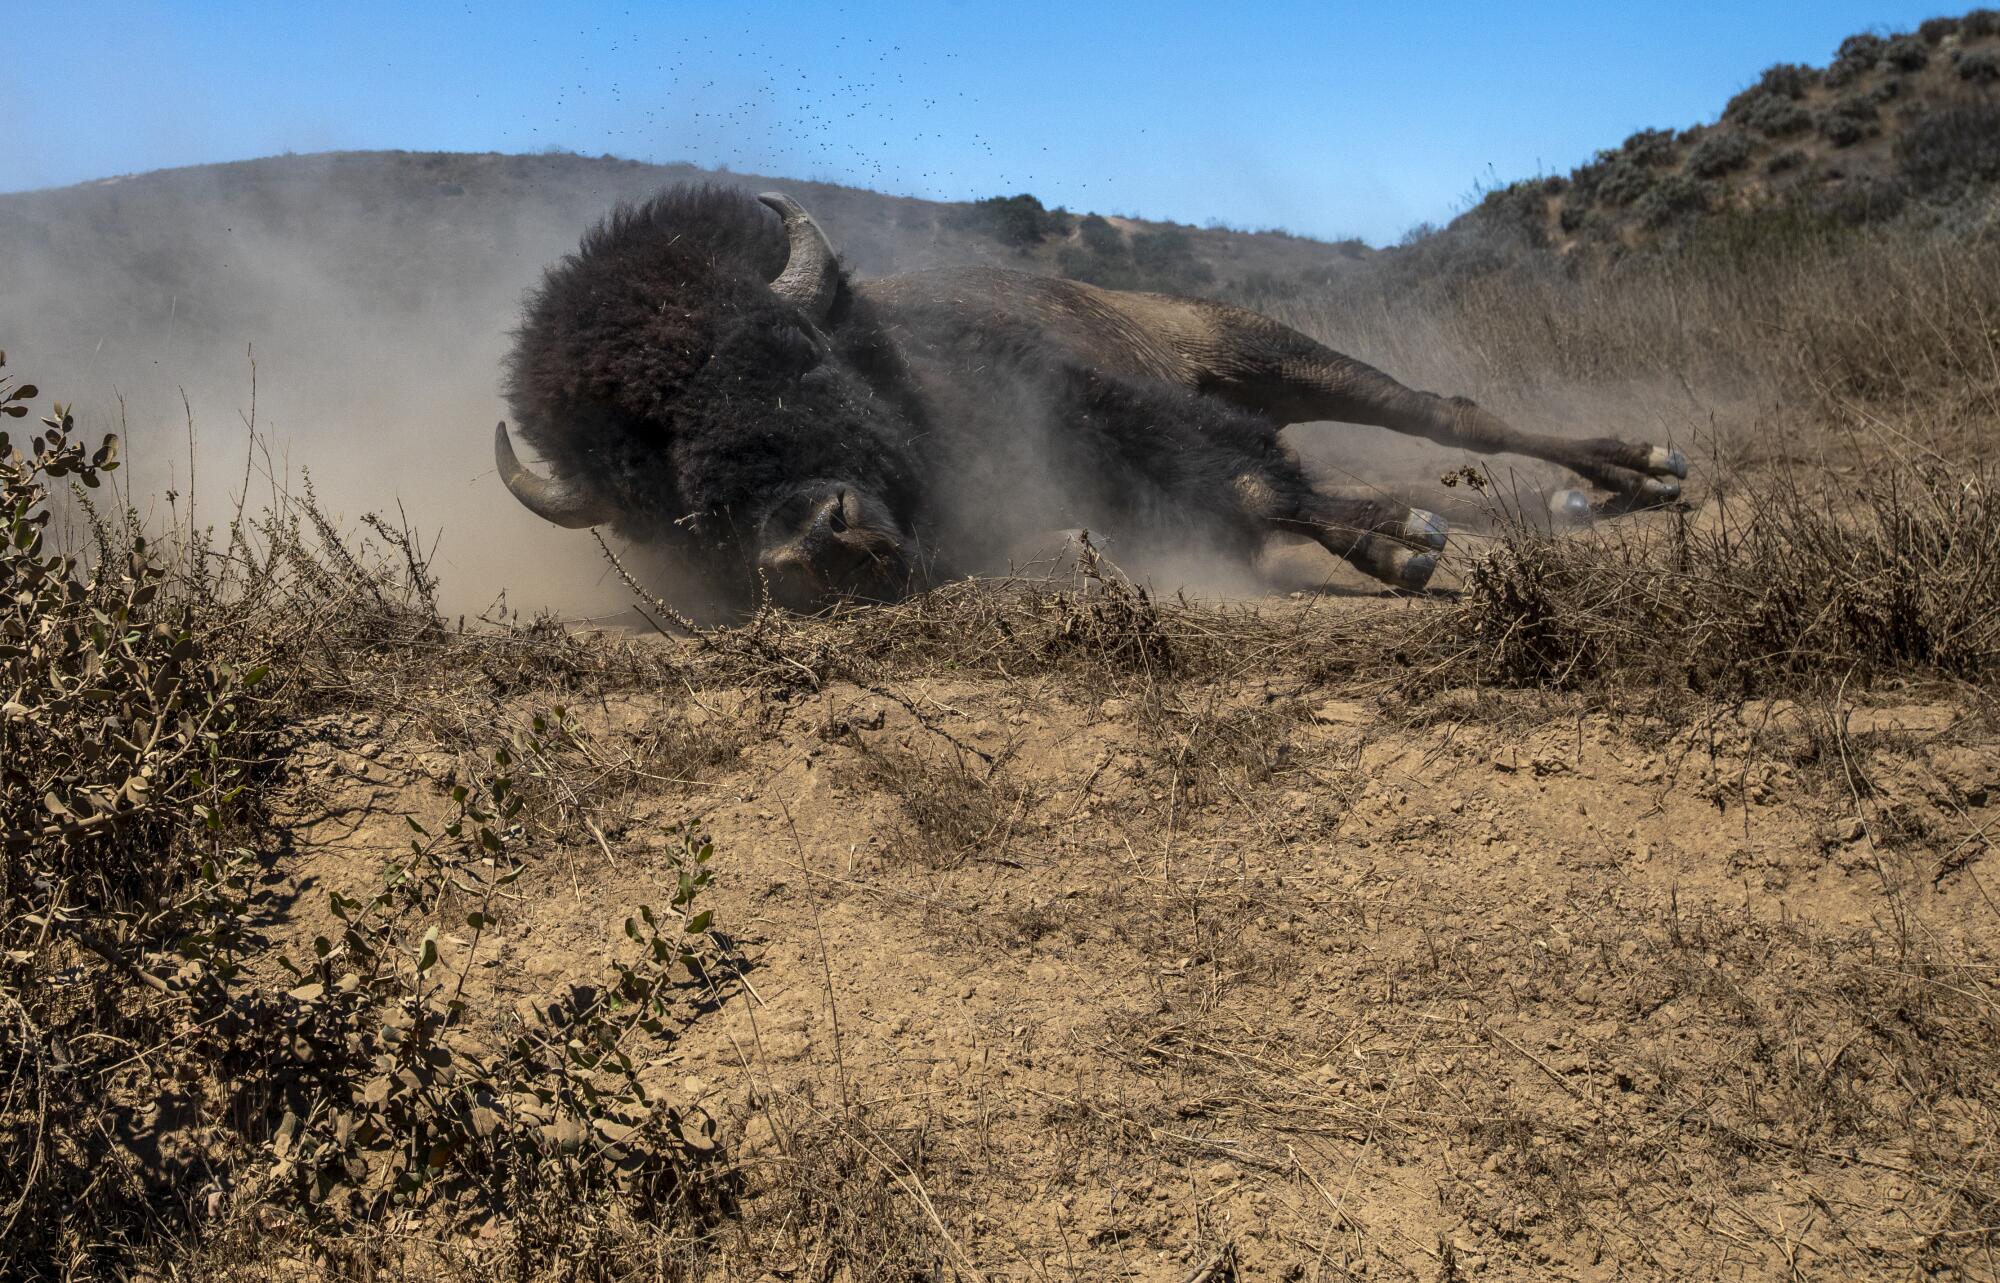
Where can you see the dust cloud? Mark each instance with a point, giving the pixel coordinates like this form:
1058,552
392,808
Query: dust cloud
360,304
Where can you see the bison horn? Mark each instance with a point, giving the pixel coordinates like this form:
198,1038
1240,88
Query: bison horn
543,497
811,277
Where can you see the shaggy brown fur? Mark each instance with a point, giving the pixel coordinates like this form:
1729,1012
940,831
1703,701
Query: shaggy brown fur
654,366
947,412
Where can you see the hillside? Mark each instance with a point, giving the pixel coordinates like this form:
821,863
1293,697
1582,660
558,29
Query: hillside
205,246
1904,124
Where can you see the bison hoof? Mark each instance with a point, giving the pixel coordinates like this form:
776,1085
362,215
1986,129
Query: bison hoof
1425,530
1416,571
1658,490
1394,564
1663,462
1570,508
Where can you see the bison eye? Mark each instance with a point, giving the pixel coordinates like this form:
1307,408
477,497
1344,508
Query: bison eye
836,520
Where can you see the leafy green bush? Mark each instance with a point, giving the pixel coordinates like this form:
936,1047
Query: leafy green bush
1099,237
1950,148
142,703
1162,260
1019,221
1786,81
406,1107
1720,152
1849,120
125,746
1519,210
1862,47
1856,57
1932,31
1674,197
1649,147
1907,53
1623,183
1776,117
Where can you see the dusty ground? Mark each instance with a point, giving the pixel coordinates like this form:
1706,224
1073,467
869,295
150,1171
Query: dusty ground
1055,978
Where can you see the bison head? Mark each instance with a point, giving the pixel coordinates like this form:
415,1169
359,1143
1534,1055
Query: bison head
678,374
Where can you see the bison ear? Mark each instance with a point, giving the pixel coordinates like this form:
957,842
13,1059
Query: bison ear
811,277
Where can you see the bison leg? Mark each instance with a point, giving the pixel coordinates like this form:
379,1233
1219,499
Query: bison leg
1377,535
1262,365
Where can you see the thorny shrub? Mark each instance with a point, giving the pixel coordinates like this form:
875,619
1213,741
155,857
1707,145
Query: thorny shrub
148,1077
410,1104
124,747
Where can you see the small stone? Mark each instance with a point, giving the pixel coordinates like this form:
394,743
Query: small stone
1340,712
1506,759
1850,829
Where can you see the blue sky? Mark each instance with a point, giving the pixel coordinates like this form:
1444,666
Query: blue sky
1327,119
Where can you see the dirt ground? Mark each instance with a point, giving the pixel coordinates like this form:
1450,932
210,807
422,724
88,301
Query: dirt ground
1278,974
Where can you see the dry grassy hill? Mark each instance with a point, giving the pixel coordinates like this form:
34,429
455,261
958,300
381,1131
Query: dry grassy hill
1906,123
122,256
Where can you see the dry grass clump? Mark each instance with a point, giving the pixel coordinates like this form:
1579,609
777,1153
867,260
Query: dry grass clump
839,1198
955,808
1786,587
1793,306
1092,631
1211,751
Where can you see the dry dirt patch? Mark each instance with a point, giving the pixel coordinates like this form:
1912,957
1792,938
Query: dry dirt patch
1053,979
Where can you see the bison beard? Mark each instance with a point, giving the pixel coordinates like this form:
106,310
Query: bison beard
702,376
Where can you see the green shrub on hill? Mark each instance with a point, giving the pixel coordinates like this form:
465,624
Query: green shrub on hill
1776,117
1979,67
1907,53
1721,152
1674,197
1934,30
1850,120
1786,81
1951,149
1018,221
1163,261
1655,147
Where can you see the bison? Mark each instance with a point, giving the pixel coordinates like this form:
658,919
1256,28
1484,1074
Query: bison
702,375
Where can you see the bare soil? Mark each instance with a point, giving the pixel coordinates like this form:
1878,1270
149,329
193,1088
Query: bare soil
1272,974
